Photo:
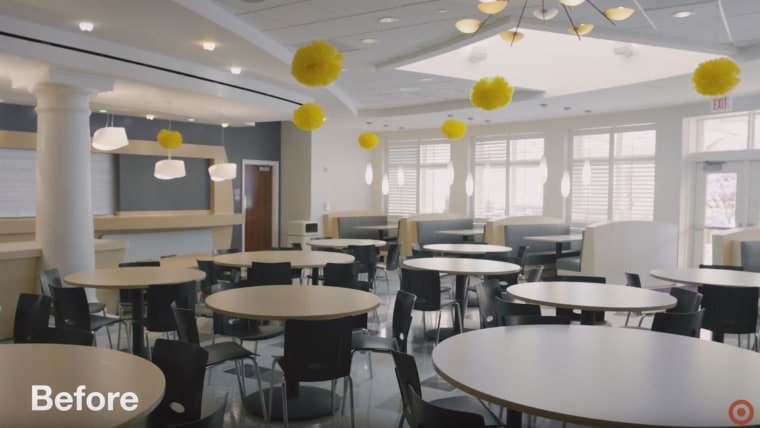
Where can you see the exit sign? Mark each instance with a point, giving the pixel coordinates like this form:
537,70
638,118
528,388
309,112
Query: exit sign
722,104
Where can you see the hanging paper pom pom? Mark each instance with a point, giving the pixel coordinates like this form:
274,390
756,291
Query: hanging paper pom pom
309,117
169,139
716,77
491,93
317,64
368,140
453,129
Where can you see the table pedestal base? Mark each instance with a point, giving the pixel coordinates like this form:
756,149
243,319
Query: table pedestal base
311,403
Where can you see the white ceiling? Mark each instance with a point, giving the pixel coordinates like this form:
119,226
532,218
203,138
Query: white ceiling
137,41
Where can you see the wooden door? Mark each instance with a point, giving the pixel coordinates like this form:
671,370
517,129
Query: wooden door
258,207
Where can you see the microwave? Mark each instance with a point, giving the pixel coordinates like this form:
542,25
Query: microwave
303,227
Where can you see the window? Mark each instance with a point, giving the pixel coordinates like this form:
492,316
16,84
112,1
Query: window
426,177
622,176
728,132
507,179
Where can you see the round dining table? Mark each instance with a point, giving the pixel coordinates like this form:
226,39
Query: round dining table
134,278
566,373
591,297
467,249
462,268
29,368
283,302
701,276
340,244
313,260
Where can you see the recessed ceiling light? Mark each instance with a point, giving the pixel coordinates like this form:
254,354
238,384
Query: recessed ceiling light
225,124
369,41
150,116
103,111
426,79
387,20
235,70
251,123
190,119
86,26
209,46
442,10
408,89
684,14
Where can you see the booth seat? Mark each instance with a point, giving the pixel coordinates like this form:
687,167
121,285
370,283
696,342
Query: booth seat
726,244
347,226
330,222
610,249
408,229
511,231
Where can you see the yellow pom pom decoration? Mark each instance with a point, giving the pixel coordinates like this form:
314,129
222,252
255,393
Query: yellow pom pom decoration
309,117
716,77
317,64
169,139
453,129
491,93
368,140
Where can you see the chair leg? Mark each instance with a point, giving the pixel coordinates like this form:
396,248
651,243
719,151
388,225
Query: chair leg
626,319
271,385
284,402
261,390
369,357
108,332
438,332
351,395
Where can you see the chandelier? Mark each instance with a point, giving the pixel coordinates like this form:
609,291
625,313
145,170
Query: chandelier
493,7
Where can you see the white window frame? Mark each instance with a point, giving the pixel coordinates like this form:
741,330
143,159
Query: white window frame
412,172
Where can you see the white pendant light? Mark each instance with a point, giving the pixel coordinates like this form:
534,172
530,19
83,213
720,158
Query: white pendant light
400,176
546,14
385,184
450,172
222,171
571,2
168,169
586,173
368,174
109,137
564,186
469,185
543,169
492,7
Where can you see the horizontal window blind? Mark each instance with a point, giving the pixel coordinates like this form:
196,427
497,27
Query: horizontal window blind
402,160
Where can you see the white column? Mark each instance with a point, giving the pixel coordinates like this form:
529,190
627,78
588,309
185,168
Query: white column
64,226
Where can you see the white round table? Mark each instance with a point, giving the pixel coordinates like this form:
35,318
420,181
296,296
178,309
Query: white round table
64,368
701,276
591,297
340,244
467,249
567,373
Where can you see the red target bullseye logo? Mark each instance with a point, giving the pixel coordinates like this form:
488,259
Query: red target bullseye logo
741,412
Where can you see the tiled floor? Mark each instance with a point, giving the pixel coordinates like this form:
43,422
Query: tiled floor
377,400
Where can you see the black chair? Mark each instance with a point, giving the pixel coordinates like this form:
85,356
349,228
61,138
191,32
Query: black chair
366,256
487,291
243,329
534,320
730,310
390,264
518,259
262,273
402,322
426,285
346,275
534,275
226,273
212,413
294,273
184,367
63,335
209,268
632,280
159,317
32,315
315,351
687,301
504,309
125,297
424,414
52,278
750,253
684,324
71,311
575,316
408,379
218,353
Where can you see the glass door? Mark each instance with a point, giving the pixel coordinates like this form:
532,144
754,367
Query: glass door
723,200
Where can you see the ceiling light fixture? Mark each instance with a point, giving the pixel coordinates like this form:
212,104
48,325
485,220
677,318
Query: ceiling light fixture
546,14
190,119
571,3
369,41
236,70
109,137
368,173
150,116
387,20
209,46
684,14
619,13
468,26
86,26
492,7
222,171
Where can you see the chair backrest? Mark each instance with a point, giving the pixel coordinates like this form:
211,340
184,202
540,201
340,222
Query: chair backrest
686,300
232,326
408,378
504,308
724,267
578,278
534,275
402,318
70,308
32,315
159,316
393,251
63,335
487,291
125,295
366,256
685,324
212,414
317,350
187,329
522,255
426,285
534,320
341,274
49,278
730,309
270,273
632,279
418,252
750,253
426,414
184,367
220,251
209,268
